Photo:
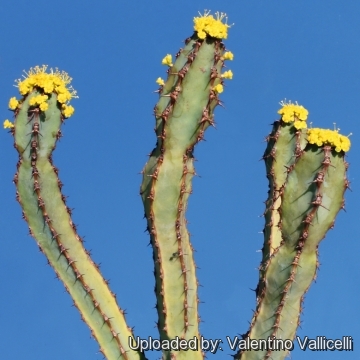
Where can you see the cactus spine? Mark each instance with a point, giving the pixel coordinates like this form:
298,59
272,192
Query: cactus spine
307,180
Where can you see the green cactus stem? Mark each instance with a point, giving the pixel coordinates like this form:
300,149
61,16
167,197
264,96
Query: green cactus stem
38,117
306,170
184,111
285,144
307,184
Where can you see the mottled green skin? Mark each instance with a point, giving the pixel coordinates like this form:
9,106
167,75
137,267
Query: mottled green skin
288,271
51,225
167,184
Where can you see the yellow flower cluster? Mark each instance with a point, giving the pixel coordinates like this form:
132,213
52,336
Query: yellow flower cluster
228,55
329,137
39,100
294,113
67,110
219,88
227,75
13,103
207,25
167,60
8,124
160,81
55,81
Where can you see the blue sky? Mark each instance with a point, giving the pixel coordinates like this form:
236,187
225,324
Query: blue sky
307,51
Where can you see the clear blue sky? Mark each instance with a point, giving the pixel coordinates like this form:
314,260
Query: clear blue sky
307,51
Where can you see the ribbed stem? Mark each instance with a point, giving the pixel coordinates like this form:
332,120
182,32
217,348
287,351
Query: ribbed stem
183,113
307,185
39,193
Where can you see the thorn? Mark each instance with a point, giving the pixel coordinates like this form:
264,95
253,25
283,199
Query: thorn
347,184
220,103
271,154
70,263
343,205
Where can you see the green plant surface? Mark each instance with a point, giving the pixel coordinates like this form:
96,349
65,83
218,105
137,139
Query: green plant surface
38,117
183,113
307,175
307,180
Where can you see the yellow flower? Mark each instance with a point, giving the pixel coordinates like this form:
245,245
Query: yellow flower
42,99
167,60
57,81
299,124
329,137
227,75
38,100
13,103
301,113
44,106
292,112
60,89
207,25
49,87
228,55
160,81
218,88
53,81
67,111
8,124
33,101
201,34
24,87
62,98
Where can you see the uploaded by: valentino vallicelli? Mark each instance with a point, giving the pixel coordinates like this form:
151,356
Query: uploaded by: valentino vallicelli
320,343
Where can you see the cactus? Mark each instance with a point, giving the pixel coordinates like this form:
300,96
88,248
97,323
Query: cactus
307,180
38,117
183,113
